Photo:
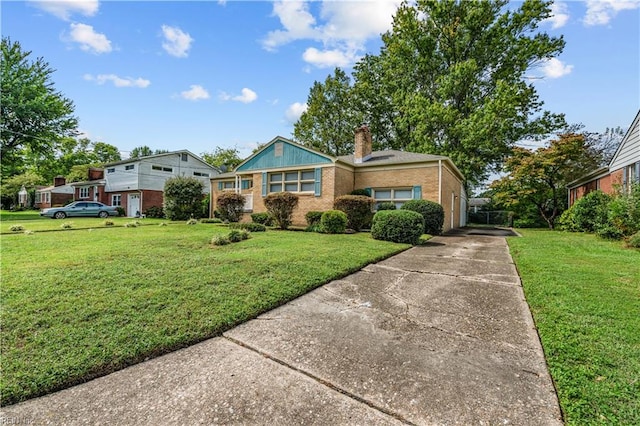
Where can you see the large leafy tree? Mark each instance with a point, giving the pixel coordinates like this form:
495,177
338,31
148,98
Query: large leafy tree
34,116
330,120
451,78
537,179
223,158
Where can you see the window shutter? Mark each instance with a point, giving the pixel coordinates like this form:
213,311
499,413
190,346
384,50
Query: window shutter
638,172
219,186
318,182
369,191
244,184
264,184
417,192
624,176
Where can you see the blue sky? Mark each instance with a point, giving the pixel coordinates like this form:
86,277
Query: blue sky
197,75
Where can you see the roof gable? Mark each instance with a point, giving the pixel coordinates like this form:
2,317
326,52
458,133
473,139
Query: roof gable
281,152
629,150
164,154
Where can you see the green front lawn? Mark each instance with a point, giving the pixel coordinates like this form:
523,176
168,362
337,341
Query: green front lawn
584,294
77,304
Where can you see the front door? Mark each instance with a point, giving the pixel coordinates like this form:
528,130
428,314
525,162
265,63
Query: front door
133,205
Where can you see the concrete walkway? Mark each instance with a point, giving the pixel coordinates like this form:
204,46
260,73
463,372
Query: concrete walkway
437,335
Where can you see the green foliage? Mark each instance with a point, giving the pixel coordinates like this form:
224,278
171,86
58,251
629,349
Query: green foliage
399,226
108,222
333,222
16,228
213,220
225,159
313,217
133,224
387,205
120,211
364,192
608,231
12,185
280,206
537,180
357,208
330,119
587,213
432,212
235,235
182,198
251,226
153,212
262,218
220,240
624,211
145,151
66,225
192,221
230,206
634,240
34,114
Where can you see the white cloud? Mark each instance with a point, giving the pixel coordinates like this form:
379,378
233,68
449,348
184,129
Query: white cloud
195,93
294,111
559,15
554,68
177,42
600,12
246,97
118,81
328,58
89,40
64,9
343,31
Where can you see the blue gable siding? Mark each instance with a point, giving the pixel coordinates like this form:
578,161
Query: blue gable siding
291,155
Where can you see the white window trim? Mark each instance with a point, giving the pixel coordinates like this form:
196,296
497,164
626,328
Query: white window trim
299,181
113,197
393,198
83,192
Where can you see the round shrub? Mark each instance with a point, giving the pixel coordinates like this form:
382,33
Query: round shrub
262,219
334,222
313,217
634,240
16,228
251,226
399,226
590,212
432,213
230,206
220,240
357,208
387,205
154,211
183,198
281,205
212,220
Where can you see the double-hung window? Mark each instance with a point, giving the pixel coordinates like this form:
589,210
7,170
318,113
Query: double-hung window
292,181
84,192
116,200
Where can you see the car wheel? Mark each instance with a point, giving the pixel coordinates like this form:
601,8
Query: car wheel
103,215
60,215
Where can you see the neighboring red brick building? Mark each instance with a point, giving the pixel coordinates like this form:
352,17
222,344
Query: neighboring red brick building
56,195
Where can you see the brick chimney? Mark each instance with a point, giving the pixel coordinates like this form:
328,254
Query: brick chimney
96,173
59,181
363,148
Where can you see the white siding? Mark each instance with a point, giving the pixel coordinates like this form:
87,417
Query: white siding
151,173
629,150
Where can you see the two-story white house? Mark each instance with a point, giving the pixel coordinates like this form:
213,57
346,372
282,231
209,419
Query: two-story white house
137,184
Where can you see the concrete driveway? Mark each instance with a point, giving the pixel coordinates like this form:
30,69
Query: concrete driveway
437,335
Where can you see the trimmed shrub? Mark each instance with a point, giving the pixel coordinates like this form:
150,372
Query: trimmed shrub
313,217
121,211
567,220
183,198
220,240
387,205
634,240
357,208
363,192
281,205
131,224
333,222
235,235
252,227
624,211
16,228
192,221
66,225
399,226
262,219
432,212
590,211
154,212
108,222
230,206
609,232
316,227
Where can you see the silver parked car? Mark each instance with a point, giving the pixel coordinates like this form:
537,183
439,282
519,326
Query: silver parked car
79,209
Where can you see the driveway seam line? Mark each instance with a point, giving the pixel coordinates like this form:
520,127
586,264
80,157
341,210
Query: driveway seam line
320,381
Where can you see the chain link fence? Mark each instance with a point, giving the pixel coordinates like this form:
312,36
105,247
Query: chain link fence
491,217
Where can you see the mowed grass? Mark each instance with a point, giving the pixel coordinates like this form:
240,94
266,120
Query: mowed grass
32,221
79,304
584,294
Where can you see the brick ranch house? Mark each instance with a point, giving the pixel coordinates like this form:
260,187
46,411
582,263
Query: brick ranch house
138,184
59,194
318,179
622,171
